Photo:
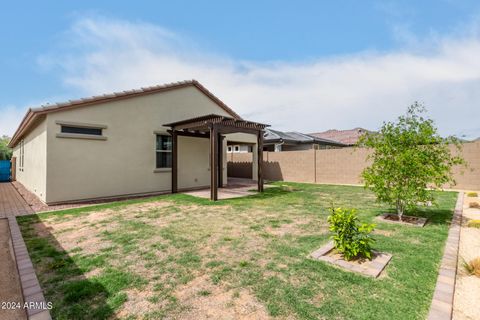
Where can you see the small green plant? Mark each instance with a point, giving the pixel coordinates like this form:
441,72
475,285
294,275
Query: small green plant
472,194
350,238
204,293
474,223
473,267
474,205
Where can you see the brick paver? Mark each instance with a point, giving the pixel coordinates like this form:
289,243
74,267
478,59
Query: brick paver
442,302
11,202
12,205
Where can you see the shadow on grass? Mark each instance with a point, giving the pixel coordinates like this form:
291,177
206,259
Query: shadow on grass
434,215
62,276
267,194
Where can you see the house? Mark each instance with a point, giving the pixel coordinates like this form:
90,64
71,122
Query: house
151,140
235,147
293,141
347,137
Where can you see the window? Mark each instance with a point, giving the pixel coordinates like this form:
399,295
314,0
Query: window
237,148
229,149
80,130
163,151
22,154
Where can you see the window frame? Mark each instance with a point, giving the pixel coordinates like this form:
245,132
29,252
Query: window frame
81,135
22,155
157,151
81,130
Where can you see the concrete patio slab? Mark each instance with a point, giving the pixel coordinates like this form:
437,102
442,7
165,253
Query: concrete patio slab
235,188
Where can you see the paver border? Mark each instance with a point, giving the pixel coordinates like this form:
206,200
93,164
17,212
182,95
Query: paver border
378,263
31,290
442,301
420,222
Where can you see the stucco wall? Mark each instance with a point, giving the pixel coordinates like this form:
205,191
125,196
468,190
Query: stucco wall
193,162
125,162
33,176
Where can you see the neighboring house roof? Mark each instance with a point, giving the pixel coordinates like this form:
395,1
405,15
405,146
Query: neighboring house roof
33,113
348,137
274,136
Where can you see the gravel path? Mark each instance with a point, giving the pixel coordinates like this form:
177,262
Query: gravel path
10,290
467,288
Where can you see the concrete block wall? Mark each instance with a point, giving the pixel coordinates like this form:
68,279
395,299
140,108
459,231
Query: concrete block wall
339,166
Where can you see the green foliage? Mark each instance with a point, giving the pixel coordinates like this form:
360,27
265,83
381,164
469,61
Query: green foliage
474,223
350,238
409,160
5,151
472,194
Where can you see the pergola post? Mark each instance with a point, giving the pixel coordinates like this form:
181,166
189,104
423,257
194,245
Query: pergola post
260,160
220,160
174,161
213,163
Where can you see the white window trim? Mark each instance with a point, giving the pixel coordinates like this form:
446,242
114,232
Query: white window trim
161,169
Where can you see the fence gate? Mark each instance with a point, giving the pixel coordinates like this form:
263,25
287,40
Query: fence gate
4,170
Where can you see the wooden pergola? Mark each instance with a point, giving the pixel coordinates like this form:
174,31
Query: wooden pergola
213,127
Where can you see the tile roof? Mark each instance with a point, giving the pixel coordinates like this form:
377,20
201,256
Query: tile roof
33,113
272,136
349,137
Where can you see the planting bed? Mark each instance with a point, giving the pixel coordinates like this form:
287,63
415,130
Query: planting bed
366,267
406,220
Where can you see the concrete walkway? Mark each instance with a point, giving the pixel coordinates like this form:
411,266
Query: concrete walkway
12,205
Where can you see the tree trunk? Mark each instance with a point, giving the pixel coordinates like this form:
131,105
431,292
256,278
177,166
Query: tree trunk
400,209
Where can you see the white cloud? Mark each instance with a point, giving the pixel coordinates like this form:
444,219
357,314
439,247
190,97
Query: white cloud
342,92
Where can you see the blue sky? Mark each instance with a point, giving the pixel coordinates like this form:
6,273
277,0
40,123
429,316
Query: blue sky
298,65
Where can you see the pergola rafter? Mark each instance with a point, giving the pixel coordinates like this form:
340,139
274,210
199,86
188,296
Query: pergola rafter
213,126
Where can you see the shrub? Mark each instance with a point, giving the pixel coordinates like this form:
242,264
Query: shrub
473,267
351,239
474,205
472,194
473,224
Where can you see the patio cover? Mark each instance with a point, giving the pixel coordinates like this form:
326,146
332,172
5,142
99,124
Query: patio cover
213,127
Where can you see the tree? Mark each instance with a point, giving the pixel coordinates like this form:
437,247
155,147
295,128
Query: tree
5,151
409,160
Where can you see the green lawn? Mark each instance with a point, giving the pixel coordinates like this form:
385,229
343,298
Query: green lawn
177,256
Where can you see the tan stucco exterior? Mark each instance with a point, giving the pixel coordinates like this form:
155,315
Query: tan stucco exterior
34,173
68,169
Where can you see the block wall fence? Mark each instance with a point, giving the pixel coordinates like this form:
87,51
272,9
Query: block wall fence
337,166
